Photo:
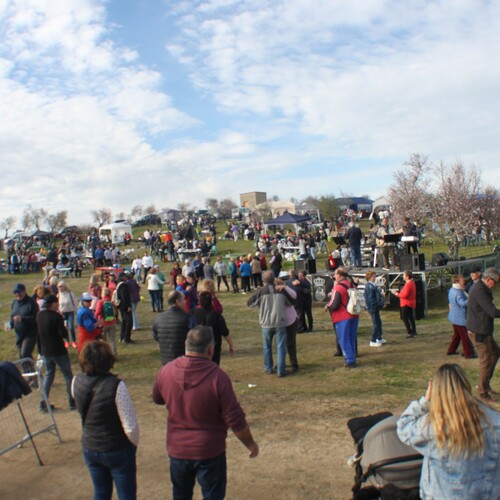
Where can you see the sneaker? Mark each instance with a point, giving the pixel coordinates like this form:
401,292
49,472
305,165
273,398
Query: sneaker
375,344
66,344
382,341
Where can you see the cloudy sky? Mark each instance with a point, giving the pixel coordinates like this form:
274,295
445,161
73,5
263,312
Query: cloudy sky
117,103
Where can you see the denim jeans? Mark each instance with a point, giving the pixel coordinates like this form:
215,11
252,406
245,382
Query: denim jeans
155,300
64,364
210,473
267,336
346,334
135,318
108,466
376,325
69,317
356,256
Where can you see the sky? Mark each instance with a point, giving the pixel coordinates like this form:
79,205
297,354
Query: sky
120,103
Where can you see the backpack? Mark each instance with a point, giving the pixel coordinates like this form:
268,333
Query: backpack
116,297
353,304
108,311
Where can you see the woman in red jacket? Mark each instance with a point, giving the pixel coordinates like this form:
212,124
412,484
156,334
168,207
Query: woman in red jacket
408,303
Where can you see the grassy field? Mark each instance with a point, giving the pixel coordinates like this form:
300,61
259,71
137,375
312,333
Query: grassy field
299,421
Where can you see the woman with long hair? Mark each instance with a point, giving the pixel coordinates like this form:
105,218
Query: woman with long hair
458,436
209,286
68,305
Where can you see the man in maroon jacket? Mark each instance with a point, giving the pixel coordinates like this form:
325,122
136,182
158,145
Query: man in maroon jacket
201,406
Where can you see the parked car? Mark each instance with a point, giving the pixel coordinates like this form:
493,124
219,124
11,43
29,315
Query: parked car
148,220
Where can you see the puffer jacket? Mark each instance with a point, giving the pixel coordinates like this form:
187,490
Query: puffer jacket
170,329
457,300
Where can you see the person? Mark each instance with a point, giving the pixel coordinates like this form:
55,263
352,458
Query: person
354,237
67,306
39,293
176,271
221,272
51,347
23,313
136,268
200,410
272,319
410,229
305,285
171,326
457,435
124,305
95,289
245,273
374,300
206,314
107,312
481,312
256,266
208,269
345,323
89,327
233,273
276,262
386,247
147,265
135,298
162,278
291,324
408,303
457,316
154,284
110,432
475,275
209,286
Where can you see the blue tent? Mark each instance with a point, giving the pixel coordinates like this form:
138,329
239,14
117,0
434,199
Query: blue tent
287,218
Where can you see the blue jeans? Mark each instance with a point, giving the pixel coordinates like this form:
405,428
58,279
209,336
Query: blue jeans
376,325
155,299
356,256
69,317
267,336
211,475
346,334
108,466
64,364
135,318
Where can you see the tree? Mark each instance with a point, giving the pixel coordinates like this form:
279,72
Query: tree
102,216
456,198
136,212
120,216
212,205
410,194
226,207
33,217
487,206
150,210
57,221
327,206
7,224
311,200
264,212
183,207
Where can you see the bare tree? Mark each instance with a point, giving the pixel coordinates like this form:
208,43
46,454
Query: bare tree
150,210
487,207
183,207
226,207
136,212
212,205
311,200
264,212
57,221
7,224
33,217
101,216
410,194
274,197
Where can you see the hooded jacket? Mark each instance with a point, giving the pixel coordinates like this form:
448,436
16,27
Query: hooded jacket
201,407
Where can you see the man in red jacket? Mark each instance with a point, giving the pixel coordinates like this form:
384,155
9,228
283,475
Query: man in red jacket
201,406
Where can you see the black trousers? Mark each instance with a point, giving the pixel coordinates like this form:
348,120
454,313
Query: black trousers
126,325
408,320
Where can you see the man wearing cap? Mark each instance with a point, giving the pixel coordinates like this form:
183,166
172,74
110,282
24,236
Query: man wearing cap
475,275
89,327
481,313
124,305
23,313
51,335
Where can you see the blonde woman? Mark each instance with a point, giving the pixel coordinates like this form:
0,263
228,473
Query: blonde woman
68,305
94,289
209,286
458,436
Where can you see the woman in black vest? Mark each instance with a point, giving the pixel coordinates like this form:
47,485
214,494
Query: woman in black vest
110,431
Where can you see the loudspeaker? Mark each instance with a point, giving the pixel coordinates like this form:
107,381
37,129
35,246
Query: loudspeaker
309,265
421,262
440,259
412,262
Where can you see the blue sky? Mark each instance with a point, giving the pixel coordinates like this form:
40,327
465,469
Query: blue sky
117,103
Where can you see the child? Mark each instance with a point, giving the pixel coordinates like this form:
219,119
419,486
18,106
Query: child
107,312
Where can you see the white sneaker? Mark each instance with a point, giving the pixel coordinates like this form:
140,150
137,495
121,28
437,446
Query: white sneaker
375,344
382,341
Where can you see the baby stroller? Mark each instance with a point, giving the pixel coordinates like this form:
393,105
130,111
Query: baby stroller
390,468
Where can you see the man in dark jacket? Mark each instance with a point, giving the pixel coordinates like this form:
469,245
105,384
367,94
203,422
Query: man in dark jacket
51,335
481,313
171,327
374,301
124,305
23,319
354,236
